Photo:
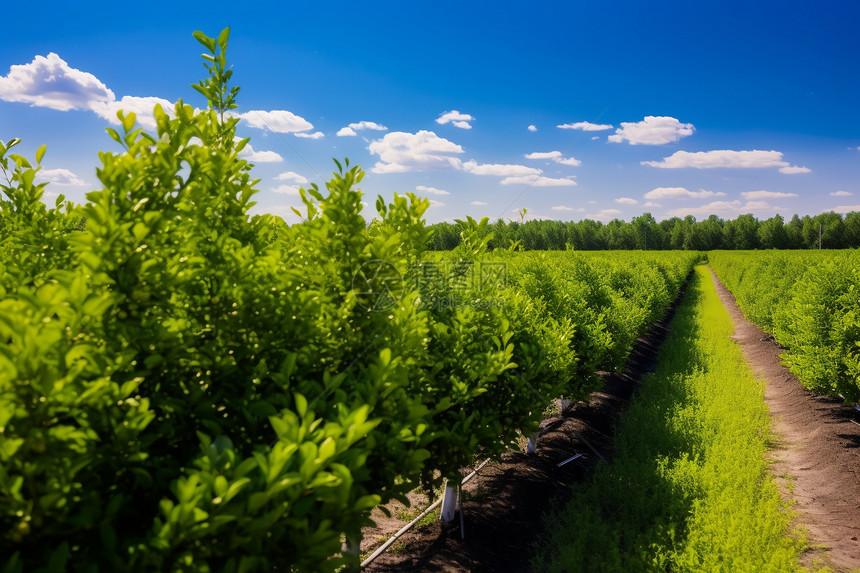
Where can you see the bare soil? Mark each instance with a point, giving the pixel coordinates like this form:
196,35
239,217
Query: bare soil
503,505
816,455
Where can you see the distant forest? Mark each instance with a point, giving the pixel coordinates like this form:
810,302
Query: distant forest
827,231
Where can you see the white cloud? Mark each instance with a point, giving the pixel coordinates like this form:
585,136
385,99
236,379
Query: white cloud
794,169
595,137
478,203
358,126
285,212
291,176
532,128
50,82
626,201
314,135
755,159
652,204
652,131
287,190
566,208
605,214
586,126
502,170
141,106
841,194
539,181
726,208
556,156
569,161
431,190
59,176
680,193
368,125
847,209
460,120
400,152
434,203
278,121
544,155
249,154
766,195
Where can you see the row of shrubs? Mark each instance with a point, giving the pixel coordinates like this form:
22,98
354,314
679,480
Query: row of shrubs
810,302
186,387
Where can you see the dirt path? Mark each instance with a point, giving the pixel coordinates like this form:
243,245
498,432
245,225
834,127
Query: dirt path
817,454
505,502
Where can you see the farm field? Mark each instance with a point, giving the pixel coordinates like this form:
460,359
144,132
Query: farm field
813,454
185,386
809,301
207,389
689,488
676,435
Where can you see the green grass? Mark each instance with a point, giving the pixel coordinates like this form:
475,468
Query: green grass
689,487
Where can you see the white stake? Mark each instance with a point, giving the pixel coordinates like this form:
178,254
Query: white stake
531,447
449,505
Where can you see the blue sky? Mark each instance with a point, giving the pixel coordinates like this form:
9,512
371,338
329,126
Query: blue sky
567,109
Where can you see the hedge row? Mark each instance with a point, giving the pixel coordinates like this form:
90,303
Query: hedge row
186,387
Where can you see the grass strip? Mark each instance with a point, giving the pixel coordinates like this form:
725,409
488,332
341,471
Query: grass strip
689,487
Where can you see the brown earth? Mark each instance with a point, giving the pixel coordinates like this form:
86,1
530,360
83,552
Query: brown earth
816,456
503,505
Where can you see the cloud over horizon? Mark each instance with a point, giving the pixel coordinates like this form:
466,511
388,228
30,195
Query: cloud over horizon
680,193
727,158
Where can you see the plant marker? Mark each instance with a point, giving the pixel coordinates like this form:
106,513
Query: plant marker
449,505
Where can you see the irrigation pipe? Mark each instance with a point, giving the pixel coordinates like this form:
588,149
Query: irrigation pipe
587,443
381,549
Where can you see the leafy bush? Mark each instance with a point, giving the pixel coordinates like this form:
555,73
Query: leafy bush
809,300
187,387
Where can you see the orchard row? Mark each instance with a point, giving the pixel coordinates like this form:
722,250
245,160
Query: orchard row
810,302
186,387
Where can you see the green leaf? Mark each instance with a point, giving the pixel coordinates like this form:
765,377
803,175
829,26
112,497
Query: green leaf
257,501
114,135
220,485
301,404
40,153
235,488
9,446
108,534
208,42
223,37
58,559
327,450
127,119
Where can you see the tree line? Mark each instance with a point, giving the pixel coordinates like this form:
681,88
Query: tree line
826,231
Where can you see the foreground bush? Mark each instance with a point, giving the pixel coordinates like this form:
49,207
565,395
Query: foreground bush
186,387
